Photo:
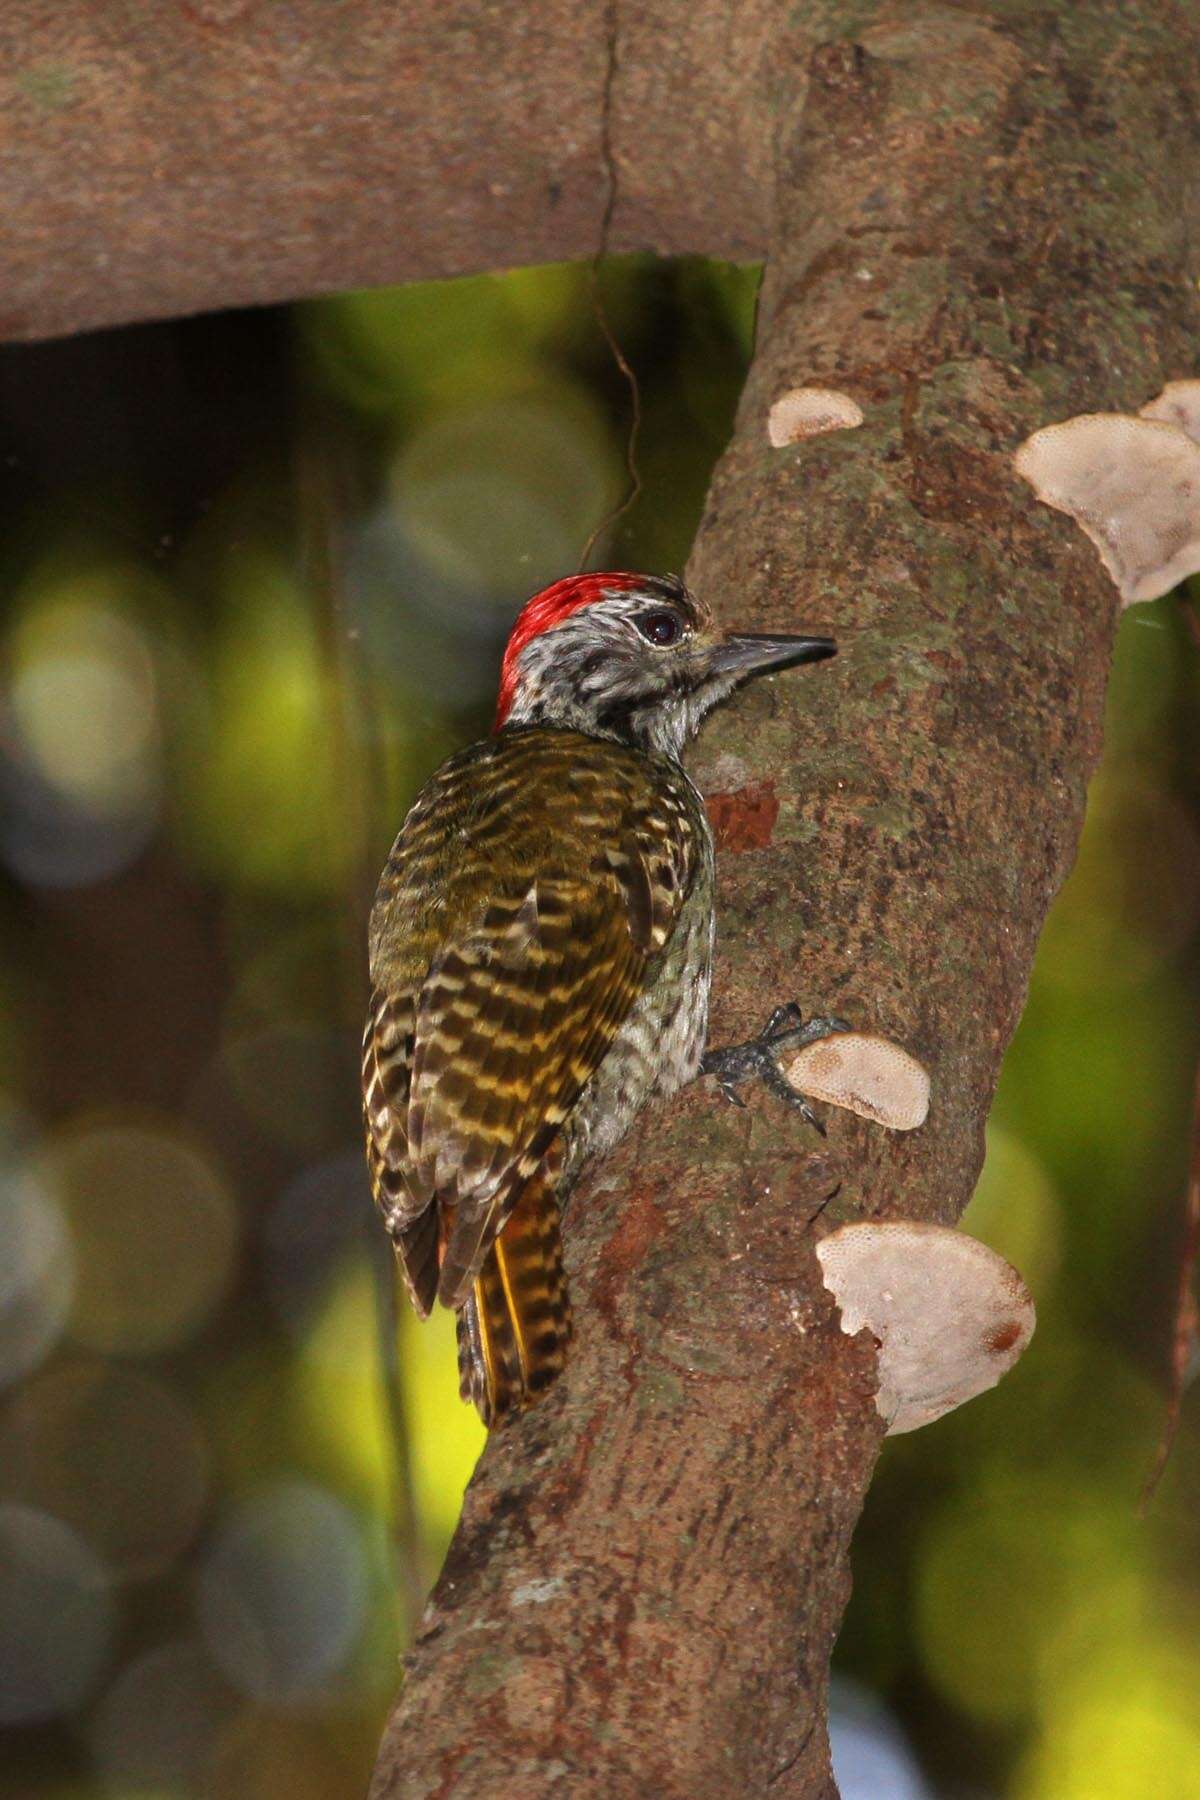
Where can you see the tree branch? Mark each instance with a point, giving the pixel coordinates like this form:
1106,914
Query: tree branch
978,229
211,153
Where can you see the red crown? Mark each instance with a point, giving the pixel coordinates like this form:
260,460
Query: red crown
549,608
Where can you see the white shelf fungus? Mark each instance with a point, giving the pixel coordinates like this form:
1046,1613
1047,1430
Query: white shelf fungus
950,1317
806,412
1133,485
868,1075
1178,404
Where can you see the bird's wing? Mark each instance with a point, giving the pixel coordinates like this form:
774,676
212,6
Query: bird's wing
469,1079
386,1074
512,1023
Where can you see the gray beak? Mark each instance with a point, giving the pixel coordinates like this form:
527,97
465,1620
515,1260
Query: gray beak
745,653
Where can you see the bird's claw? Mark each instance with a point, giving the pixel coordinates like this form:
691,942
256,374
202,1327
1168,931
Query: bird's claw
786,1029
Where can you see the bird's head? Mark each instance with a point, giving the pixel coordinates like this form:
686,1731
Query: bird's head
631,657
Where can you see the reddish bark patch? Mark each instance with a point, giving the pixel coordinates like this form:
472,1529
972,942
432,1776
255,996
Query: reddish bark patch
744,819
956,484
641,1222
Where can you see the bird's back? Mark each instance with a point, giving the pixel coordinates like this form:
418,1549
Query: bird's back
533,803
526,910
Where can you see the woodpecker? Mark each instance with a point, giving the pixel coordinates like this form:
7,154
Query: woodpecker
540,956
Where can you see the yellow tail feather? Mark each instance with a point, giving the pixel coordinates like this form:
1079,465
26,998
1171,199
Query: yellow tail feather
514,1329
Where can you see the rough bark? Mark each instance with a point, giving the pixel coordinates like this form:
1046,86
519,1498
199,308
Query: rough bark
980,219
168,156
982,223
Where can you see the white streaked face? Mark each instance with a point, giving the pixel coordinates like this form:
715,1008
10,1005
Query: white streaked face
633,666
643,665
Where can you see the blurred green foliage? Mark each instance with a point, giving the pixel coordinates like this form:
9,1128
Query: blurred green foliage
256,574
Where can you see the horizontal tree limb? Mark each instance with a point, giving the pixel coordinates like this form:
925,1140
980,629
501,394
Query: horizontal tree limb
174,158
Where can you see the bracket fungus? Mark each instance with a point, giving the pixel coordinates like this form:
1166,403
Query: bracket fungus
866,1074
949,1316
1178,404
806,412
1133,485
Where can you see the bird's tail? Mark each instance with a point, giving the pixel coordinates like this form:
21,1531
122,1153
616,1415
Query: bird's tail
514,1328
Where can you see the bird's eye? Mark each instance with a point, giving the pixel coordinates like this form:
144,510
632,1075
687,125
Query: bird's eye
661,627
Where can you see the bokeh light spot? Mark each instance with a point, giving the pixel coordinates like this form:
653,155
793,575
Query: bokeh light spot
998,1571
283,1592
56,1617
1015,1210
114,1454
84,698
447,1436
500,498
154,1231
430,344
263,809
82,783
37,1272
871,1760
342,1393
1126,1728
157,1725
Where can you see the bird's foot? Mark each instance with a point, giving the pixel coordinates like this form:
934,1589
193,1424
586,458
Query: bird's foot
786,1029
